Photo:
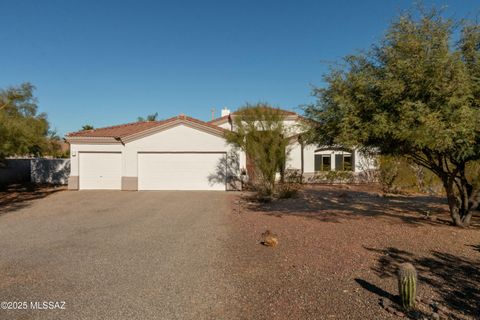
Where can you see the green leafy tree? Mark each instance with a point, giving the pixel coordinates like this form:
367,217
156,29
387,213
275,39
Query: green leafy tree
259,131
22,130
87,127
150,117
414,94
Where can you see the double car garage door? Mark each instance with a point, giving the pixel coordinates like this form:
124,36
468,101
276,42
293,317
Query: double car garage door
156,171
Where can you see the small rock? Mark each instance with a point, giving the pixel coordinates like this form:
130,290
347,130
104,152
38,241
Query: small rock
442,308
435,316
390,309
399,313
381,301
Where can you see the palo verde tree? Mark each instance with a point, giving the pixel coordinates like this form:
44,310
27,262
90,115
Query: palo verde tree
260,132
22,130
416,94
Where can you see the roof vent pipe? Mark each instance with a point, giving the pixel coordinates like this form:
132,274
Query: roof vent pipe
225,112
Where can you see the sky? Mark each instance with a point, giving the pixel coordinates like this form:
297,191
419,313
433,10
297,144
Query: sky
108,62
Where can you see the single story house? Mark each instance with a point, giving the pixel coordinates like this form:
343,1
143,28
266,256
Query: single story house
181,153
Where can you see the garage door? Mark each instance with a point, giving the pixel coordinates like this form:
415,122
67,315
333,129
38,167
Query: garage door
179,171
100,170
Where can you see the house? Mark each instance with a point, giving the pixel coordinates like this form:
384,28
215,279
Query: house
181,153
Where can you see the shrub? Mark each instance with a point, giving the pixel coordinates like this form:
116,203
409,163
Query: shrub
388,172
397,174
290,186
287,190
340,176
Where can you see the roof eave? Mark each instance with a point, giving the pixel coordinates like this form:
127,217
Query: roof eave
94,140
178,121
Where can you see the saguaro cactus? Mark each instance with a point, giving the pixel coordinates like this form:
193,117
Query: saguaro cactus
407,284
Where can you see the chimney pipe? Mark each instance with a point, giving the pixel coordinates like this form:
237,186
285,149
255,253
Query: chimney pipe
225,112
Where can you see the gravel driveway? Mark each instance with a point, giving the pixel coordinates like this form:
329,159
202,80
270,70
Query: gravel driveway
118,255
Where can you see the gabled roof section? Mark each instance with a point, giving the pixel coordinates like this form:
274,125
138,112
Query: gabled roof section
131,131
116,131
226,118
220,120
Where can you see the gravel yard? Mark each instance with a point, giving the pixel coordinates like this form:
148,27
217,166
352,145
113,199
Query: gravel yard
196,255
338,250
118,255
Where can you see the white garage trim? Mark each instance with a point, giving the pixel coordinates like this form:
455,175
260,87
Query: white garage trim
100,170
180,171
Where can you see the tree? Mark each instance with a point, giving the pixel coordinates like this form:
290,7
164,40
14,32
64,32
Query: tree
87,127
259,131
55,147
22,130
415,94
150,117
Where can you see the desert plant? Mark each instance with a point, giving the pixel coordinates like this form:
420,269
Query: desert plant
23,131
414,94
260,132
287,190
339,176
407,285
388,172
367,165
150,117
290,186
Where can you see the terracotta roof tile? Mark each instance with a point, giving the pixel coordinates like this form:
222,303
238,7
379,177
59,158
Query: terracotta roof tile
221,119
128,129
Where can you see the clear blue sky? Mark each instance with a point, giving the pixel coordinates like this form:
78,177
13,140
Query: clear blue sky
107,62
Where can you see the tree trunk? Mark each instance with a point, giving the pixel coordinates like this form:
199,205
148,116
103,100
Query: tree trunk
458,201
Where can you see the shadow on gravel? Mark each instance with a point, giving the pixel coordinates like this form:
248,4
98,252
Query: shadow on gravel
455,279
475,247
338,203
377,290
18,196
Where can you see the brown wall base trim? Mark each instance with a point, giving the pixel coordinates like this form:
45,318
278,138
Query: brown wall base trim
130,183
73,183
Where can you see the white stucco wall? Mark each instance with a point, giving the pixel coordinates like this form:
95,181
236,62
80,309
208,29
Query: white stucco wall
75,149
225,125
309,158
177,139
294,161
181,138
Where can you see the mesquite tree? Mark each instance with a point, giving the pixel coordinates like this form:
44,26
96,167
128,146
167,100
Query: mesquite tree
416,94
23,131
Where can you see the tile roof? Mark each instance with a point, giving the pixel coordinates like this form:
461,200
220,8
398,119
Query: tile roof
221,119
128,129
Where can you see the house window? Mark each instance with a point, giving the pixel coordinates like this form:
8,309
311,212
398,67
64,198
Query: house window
323,162
347,163
343,162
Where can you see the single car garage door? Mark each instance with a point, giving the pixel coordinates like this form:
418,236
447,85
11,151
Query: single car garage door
180,171
100,170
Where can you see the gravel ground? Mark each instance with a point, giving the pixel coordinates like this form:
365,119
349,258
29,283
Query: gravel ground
118,255
338,251
196,255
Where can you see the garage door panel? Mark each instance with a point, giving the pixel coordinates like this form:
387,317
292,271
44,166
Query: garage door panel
100,170
178,171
